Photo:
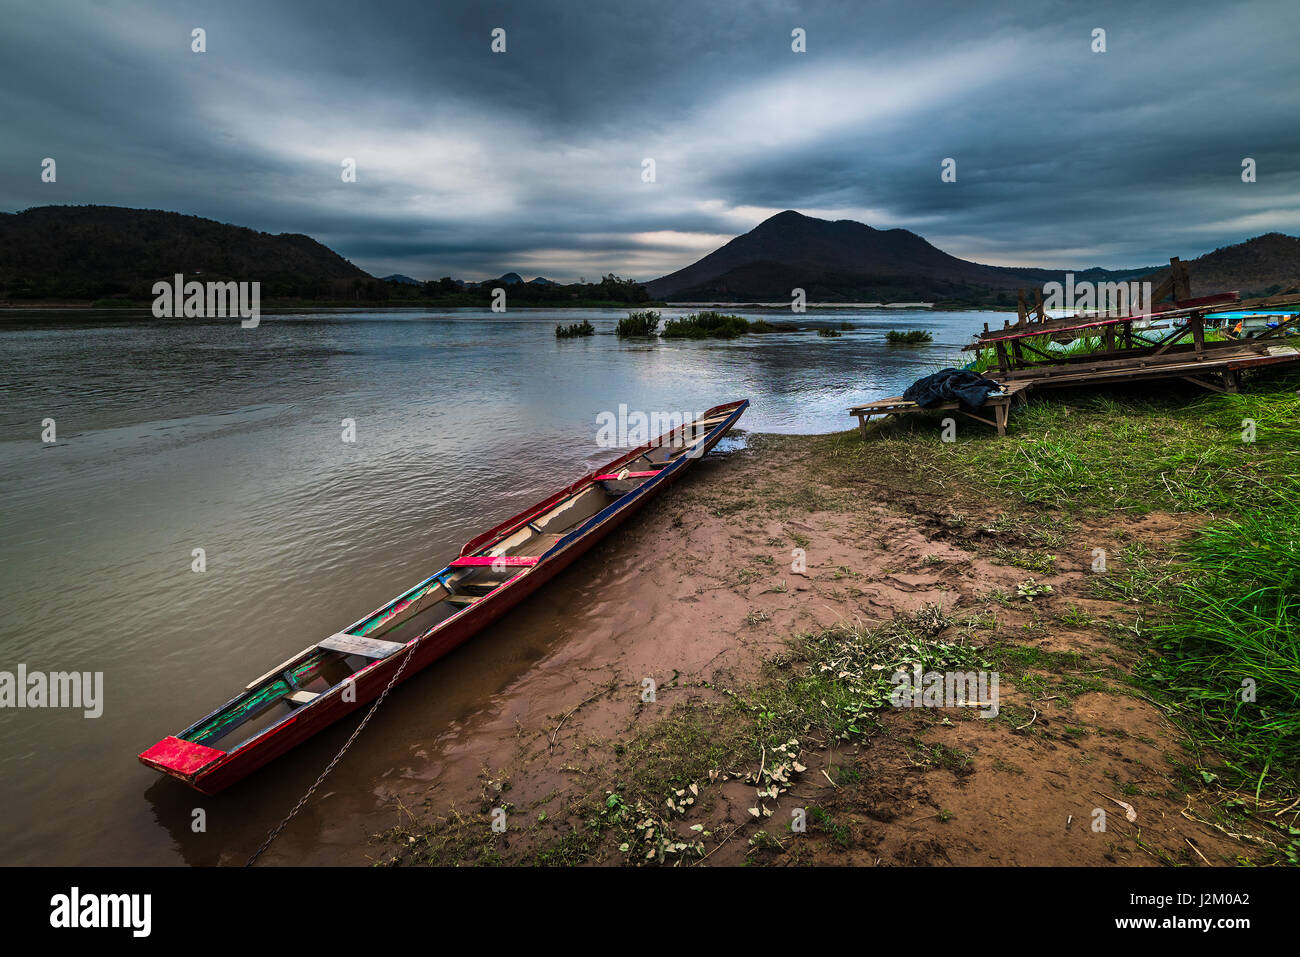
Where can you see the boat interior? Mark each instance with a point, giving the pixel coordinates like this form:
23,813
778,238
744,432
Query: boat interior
299,680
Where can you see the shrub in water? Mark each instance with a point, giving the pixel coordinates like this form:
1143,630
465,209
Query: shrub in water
706,325
638,324
578,329
915,336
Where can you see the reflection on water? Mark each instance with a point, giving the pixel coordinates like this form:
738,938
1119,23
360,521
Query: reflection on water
175,436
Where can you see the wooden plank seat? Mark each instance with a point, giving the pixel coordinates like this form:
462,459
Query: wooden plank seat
621,476
360,645
672,453
480,586
998,403
704,425
281,667
487,561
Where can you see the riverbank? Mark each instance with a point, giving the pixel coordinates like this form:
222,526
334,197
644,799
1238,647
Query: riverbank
770,688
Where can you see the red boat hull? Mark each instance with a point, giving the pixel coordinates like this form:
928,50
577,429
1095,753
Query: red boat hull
219,773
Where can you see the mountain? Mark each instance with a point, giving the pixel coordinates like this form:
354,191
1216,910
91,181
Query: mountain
840,260
404,280
847,261
541,281
92,252
1262,266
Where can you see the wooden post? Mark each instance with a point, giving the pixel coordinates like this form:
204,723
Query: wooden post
1042,313
1197,321
1182,281
1020,307
1167,287
1004,366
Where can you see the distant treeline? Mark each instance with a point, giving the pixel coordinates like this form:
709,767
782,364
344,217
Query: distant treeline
446,291
112,256
91,253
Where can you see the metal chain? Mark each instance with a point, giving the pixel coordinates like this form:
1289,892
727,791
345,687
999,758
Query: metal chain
270,838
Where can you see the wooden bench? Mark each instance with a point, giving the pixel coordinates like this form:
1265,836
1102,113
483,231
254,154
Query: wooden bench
998,403
360,645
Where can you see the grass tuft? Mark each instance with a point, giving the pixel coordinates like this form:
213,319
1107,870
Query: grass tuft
577,330
706,325
910,338
644,323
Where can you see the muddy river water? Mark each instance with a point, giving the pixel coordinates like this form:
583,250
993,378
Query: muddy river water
171,437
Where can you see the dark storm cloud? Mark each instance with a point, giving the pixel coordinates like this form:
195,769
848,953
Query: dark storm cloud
471,163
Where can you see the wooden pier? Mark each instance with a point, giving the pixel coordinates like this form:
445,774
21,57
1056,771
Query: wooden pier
998,405
1133,347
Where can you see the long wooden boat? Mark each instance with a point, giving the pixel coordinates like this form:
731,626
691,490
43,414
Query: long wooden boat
494,572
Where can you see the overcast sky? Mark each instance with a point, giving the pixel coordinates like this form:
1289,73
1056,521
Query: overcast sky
471,163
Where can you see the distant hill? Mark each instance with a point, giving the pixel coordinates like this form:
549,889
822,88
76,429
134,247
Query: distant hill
841,260
87,253
1262,266
96,252
847,261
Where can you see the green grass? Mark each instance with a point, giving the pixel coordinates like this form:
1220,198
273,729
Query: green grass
1232,633
833,683
1075,617
642,323
576,331
1227,604
1034,561
821,820
911,338
830,685
706,325
697,325
1099,453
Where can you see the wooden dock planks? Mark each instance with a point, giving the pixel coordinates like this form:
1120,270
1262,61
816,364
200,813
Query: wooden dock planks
999,405
1127,354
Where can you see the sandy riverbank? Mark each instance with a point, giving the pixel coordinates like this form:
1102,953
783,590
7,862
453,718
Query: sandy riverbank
698,594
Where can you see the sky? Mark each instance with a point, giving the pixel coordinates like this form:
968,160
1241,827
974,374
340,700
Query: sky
471,162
